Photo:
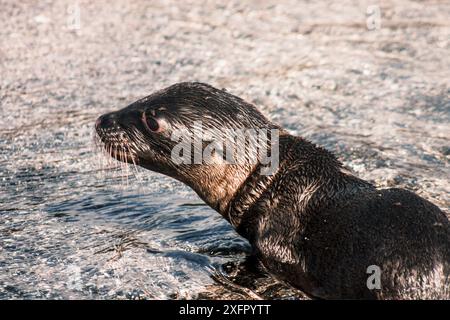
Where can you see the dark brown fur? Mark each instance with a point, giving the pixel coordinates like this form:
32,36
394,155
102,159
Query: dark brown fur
311,224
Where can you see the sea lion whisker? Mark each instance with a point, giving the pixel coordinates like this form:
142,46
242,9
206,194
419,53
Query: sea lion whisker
132,147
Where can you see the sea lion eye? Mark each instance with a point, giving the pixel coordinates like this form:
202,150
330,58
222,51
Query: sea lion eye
151,123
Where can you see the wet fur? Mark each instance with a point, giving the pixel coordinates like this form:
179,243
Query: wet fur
311,224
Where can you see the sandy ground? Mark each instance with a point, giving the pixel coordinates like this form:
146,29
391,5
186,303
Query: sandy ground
367,79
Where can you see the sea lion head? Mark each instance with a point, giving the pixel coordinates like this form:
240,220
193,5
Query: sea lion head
143,133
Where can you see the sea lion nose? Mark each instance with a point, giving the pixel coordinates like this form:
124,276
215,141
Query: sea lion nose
103,121
98,122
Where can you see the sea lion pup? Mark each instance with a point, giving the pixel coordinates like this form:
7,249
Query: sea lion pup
310,222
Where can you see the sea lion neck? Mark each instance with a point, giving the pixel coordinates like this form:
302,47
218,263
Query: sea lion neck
238,210
218,186
222,186
218,183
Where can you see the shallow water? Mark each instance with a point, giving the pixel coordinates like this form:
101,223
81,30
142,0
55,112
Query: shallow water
72,226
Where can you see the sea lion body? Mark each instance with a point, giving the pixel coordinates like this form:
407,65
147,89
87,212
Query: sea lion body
321,229
310,223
